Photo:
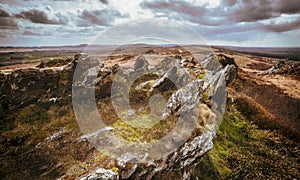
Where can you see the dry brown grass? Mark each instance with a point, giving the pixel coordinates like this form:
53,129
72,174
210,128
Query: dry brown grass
253,111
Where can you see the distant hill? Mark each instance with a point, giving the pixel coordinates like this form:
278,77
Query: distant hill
291,53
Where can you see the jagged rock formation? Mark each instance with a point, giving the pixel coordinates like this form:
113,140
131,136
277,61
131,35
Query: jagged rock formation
27,86
283,67
52,82
195,84
194,94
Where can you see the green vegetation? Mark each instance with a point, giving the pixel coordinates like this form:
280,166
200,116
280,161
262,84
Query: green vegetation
206,95
27,55
4,125
32,60
143,130
39,116
127,132
243,151
201,76
3,107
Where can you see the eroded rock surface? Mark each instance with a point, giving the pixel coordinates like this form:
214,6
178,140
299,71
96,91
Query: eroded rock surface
196,84
194,94
52,82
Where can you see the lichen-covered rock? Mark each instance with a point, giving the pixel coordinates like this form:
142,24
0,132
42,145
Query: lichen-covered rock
184,100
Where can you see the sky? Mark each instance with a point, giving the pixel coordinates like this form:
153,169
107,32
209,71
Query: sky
252,23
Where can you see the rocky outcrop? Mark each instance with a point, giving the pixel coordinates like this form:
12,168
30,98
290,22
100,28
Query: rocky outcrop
182,103
51,82
55,63
179,73
27,86
225,60
197,88
284,67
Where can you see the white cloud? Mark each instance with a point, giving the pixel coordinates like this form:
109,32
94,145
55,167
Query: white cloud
219,21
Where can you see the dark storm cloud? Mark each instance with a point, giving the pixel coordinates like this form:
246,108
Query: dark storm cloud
180,10
8,23
229,12
236,11
283,27
37,16
287,7
253,10
3,13
175,6
102,17
8,27
104,1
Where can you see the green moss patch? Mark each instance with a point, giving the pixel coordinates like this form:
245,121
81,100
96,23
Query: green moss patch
243,151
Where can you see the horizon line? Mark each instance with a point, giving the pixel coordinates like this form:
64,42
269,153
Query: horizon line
153,44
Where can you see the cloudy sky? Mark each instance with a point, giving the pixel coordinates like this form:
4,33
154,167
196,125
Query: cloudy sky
219,22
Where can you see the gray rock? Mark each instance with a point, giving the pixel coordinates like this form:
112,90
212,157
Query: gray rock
166,64
167,82
101,174
141,86
211,63
141,64
230,73
185,99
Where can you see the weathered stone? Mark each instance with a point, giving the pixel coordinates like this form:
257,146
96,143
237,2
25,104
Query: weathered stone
230,73
23,87
225,60
141,64
185,99
101,174
166,64
167,82
210,63
283,67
